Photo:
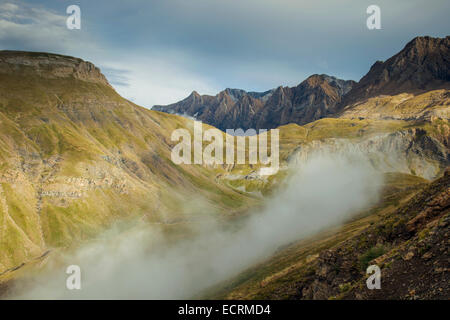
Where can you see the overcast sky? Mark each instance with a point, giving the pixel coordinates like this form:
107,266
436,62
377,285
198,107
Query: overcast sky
158,51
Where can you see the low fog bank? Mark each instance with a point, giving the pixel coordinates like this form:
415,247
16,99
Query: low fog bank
326,190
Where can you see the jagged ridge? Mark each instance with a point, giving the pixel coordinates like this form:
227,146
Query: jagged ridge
312,99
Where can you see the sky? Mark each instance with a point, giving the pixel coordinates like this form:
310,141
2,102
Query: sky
159,51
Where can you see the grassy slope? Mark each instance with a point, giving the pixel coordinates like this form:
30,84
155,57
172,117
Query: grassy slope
434,103
292,134
75,157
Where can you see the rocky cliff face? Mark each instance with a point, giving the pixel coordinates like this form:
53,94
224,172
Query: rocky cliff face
408,151
314,98
49,66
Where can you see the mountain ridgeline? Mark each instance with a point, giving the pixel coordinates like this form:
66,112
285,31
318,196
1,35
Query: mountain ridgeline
422,66
313,99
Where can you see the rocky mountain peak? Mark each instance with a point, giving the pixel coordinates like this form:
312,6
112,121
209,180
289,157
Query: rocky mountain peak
194,96
422,45
423,64
316,80
49,66
329,84
426,55
235,94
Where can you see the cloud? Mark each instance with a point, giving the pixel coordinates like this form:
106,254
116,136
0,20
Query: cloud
147,78
6,9
25,27
117,77
207,46
155,78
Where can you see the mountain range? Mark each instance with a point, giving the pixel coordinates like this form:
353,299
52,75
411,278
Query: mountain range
314,98
422,65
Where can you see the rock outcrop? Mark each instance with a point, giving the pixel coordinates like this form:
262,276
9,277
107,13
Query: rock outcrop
49,66
409,151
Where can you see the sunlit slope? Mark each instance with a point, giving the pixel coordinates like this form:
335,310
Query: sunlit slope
417,147
408,106
76,157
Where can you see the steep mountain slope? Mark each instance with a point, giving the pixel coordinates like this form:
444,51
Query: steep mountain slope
422,65
406,235
75,157
412,84
314,98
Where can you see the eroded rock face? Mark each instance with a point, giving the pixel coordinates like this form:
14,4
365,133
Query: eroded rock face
50,66
408,151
